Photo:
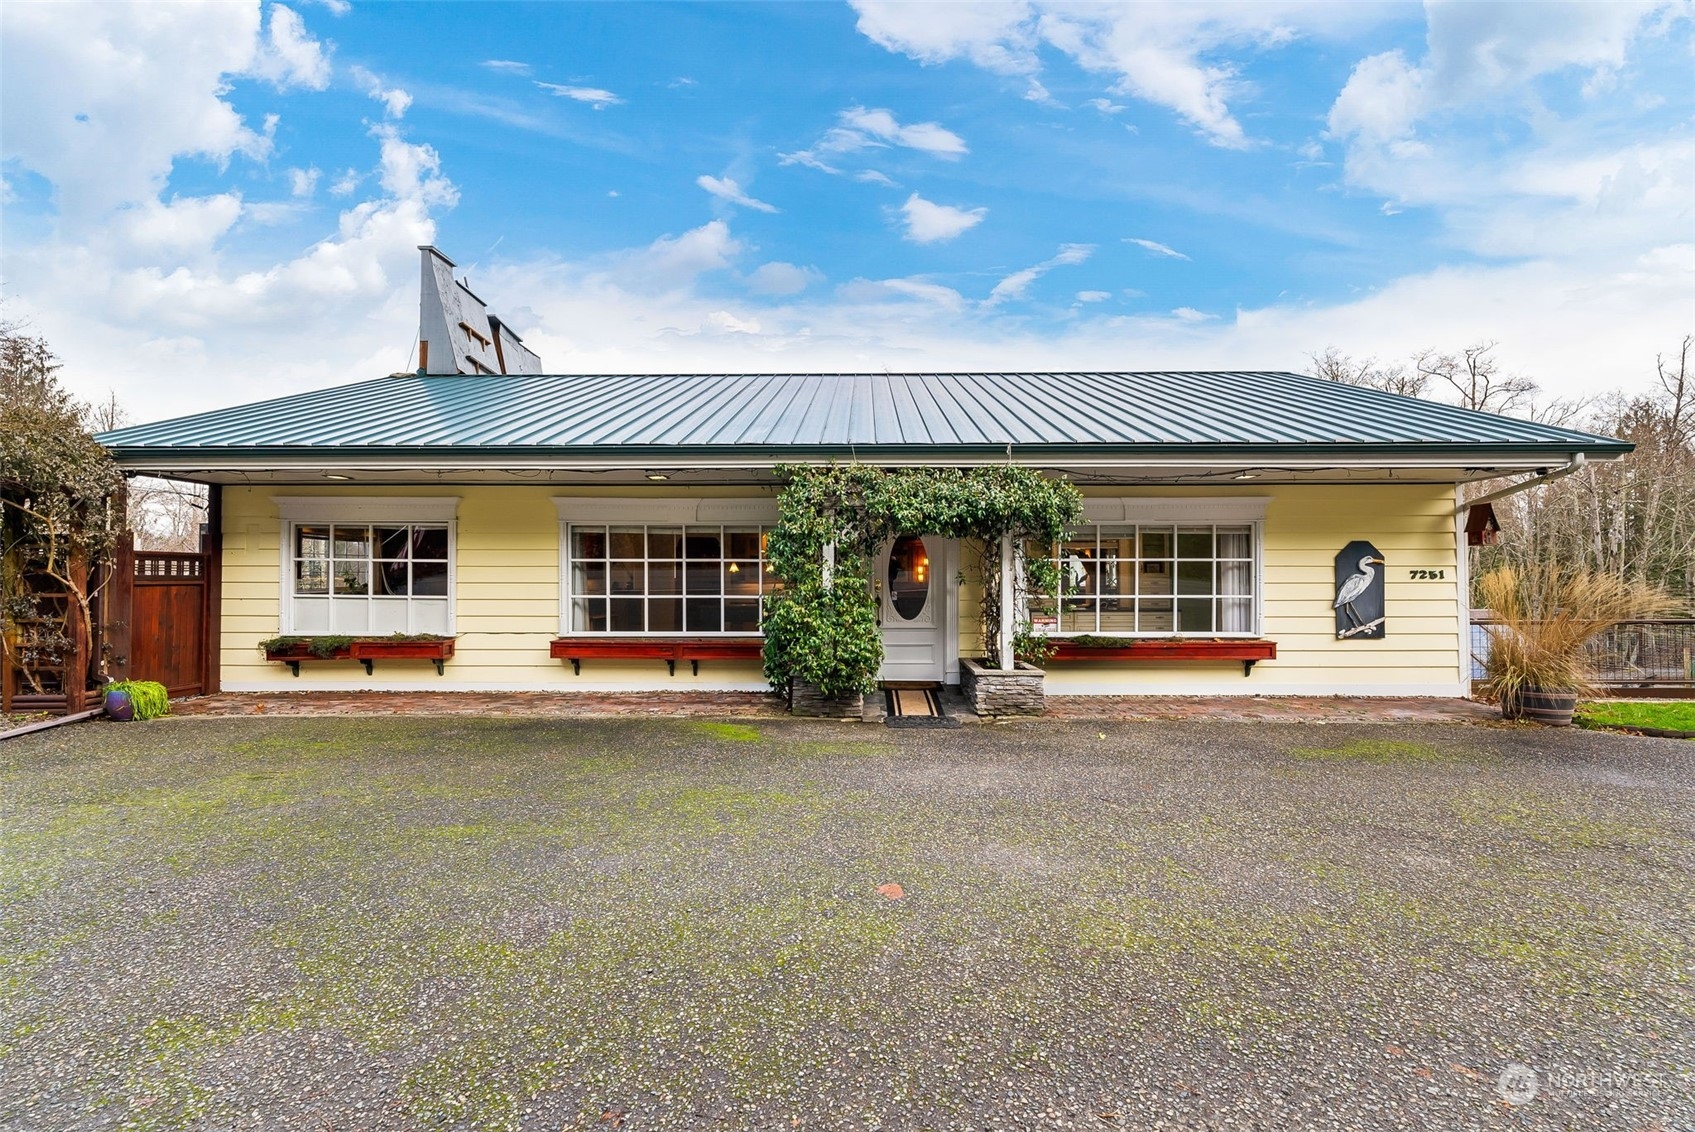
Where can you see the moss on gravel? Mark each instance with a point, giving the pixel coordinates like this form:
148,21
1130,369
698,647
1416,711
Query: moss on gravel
1378,752
502,915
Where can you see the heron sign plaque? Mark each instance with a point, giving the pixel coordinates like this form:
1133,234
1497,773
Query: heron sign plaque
1359,593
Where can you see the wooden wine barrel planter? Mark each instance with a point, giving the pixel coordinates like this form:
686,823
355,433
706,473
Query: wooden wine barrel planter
1551,708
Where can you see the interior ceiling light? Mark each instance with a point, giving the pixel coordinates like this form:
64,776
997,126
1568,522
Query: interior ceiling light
656,476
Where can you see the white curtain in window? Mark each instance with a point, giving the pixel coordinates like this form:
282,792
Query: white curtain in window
1235,581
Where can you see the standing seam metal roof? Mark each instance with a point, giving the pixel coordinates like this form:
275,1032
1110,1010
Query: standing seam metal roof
930,410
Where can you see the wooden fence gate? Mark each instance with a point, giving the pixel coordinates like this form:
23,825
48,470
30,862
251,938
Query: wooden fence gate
170,607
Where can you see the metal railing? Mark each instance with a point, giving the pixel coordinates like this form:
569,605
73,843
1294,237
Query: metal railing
1632,654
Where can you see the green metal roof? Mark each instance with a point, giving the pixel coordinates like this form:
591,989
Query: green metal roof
909,415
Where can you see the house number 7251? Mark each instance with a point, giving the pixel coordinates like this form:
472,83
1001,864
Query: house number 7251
1428,575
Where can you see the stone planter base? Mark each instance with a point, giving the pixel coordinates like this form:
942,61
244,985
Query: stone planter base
990,691
805,699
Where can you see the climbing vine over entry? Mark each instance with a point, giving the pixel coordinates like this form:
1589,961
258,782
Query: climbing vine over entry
822,626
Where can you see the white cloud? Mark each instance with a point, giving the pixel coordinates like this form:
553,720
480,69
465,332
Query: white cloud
728,190
1486,53
82,85
1105,105
927,137
1040,95
859,128
507,66
1382,98
778,278
723,322
929,223
1466,130
1093,296
913,289
999,36
346,183
675,261
1161,53
147,300
186,227
395,101
303,182
412,172
289,55
873,177
1017,285
1190,314
334,7
1154,247
1560,325
594,96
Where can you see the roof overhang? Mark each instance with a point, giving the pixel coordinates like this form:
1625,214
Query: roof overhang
1150,464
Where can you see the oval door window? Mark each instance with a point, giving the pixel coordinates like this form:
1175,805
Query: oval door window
909,576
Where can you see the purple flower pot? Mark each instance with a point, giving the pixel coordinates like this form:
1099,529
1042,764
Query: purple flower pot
120,707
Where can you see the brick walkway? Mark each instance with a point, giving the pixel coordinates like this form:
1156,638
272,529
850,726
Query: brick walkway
574,704
1326,709
1287,709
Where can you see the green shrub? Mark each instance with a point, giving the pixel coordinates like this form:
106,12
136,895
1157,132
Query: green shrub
149,697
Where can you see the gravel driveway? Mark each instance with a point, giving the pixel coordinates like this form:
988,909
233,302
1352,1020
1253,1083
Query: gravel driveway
523,923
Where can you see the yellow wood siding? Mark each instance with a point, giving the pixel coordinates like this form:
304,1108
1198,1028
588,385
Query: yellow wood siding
507,600
1412,524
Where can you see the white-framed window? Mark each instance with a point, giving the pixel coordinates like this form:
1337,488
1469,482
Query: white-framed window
658,567
658,578
1161,570
367,565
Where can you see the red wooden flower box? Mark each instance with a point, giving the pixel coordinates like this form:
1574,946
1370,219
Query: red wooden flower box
669,649
367,650
1249,651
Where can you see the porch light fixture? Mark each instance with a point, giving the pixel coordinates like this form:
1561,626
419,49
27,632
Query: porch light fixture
1247,475
336,476
657,476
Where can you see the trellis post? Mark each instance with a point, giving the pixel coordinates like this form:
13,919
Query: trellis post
1008,588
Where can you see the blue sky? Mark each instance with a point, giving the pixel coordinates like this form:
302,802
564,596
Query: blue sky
206,204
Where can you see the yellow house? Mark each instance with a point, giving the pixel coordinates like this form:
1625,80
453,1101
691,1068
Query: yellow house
1243,533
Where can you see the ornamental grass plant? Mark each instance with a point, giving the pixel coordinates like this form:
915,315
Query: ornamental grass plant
1545,615
150,698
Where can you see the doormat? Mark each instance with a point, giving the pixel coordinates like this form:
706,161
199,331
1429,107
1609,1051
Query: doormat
916,707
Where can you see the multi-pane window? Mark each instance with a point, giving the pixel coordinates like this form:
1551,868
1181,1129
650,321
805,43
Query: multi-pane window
667,579
370,578
1159,580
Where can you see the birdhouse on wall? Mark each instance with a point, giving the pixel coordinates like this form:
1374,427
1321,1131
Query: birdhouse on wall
1359,593
1481,527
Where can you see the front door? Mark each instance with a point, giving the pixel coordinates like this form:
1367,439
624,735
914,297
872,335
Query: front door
912,579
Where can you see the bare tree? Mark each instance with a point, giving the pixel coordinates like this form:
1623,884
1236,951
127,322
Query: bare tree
1333,365
166,514
1634,516
1678,390
1476,376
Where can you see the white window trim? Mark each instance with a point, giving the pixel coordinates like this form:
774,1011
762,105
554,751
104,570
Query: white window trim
366,508
648,512
577,509
1148,509
1212,510
285,588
